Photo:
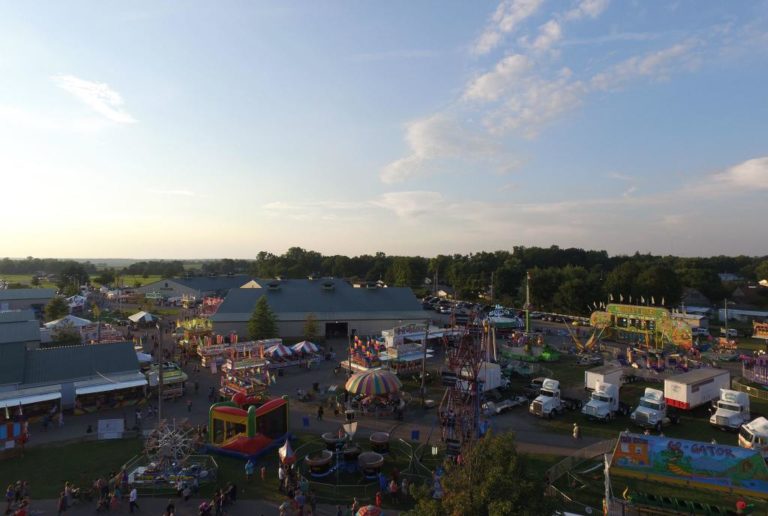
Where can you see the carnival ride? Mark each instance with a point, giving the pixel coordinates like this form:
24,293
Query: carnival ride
169,457
459,411
250,433
650,327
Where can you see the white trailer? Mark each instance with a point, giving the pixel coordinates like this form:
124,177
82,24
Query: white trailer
490,376
695,388
604,374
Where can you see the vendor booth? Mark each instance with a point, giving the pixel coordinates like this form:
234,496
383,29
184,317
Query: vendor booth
29,404
109,393
174,379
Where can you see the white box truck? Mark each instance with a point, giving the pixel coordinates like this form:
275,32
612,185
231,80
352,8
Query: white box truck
754,436
732,410
490,376
604,404
695,388
604,374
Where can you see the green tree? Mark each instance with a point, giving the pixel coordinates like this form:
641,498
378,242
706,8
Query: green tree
761,271
66,335
35,281
56,308
107,277
263,323
310,327
493,480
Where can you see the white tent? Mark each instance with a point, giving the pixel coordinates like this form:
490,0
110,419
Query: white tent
68,320
76,301
143,357
142,316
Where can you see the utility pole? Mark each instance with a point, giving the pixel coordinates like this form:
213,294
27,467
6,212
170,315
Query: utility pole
527,306
424,363
726,318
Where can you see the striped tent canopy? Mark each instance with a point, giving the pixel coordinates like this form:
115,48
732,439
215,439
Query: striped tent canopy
278,350
305,347
374,382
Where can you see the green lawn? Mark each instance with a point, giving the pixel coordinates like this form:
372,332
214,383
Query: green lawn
48,467
130,280
26,279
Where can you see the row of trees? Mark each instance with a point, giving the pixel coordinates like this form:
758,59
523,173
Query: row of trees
569,280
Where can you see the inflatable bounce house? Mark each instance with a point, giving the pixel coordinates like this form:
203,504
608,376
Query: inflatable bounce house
237,432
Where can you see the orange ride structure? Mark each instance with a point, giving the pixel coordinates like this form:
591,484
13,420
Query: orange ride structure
247,431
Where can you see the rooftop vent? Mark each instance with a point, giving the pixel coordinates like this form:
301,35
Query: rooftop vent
329,285
273,285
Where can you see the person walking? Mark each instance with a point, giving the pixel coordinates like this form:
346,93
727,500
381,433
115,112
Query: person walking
320,413
576,431
61,419
62,504
189,405
249,467
133,499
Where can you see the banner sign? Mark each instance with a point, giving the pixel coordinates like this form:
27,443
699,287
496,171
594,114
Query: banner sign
691,463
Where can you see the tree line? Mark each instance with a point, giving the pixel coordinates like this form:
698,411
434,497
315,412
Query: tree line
570,280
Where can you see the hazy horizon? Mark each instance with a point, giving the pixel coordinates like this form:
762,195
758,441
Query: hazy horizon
415,128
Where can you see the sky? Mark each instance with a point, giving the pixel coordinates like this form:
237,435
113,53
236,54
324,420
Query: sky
220,129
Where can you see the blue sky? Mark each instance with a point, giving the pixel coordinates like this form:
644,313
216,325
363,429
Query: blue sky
200,129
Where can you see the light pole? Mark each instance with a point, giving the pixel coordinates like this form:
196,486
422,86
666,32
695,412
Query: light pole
726,303
424,363
159,374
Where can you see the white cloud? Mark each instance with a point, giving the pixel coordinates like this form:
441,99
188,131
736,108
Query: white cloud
749,175
411,203
549,34
587,9
534,102
437,137
491,85
508,16
96,95
656,65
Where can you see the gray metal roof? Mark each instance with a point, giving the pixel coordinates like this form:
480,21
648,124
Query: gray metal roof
202,283
697,375
16,316
18,294
303,296
21,331
74,362
12,363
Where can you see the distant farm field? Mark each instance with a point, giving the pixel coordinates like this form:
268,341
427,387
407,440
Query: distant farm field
24,279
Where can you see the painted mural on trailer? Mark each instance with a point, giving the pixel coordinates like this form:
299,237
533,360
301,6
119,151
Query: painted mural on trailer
694,462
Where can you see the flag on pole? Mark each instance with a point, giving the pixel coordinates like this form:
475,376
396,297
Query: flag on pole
630,298
662,302
610,297
594,304
642,300
653,301
602,305
621,298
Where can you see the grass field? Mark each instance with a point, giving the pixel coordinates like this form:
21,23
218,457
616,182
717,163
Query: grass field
48,467
25,279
